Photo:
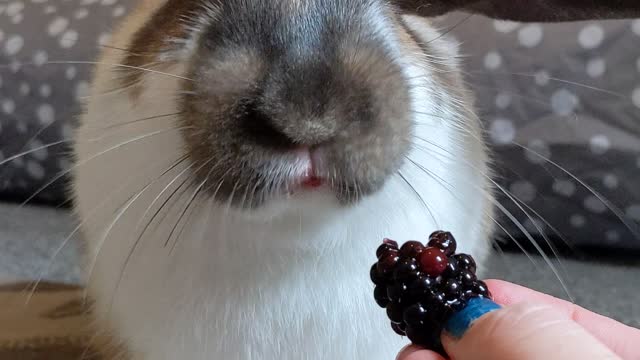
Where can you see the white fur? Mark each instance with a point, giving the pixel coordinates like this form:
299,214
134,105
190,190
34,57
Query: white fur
289,284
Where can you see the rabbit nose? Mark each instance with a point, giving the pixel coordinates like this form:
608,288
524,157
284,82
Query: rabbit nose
285,131
307,130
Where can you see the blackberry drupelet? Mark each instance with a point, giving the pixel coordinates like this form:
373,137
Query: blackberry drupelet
421,286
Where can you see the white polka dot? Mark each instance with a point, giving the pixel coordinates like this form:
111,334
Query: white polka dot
534,226
104,39
610,181
17,19
46,114
594,204
15,66
71,73
35,170
564,102
8,106
19,162
577,220
492,60
82,90
40,58
523,190
599,144
502,131
13,45
14,8
81,13
40,154
22,127
542,78
591,36
66,131
45,90
50,9
564,187
119,11
503,100
505,26
537,151
633,212
57,26
530,35
635,26
635,97
64,164
596,67
69,39
25,89
612,237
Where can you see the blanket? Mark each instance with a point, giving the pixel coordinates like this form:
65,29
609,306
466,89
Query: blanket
52,325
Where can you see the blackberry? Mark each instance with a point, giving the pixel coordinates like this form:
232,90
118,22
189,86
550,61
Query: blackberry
452,289
396,292
465,262
433,261
422,285
387,263
452,268
411,249
406,269
380,294
399,328
395,312
385,249
467,278
480,288
376,276
444,241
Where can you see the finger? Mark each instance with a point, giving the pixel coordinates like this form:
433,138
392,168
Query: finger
621,339
523,331
416,353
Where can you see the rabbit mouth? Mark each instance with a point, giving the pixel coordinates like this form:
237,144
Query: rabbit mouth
251,183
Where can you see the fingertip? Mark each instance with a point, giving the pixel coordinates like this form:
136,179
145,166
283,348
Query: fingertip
413,352
461,321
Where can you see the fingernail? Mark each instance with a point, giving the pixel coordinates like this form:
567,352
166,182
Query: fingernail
461,321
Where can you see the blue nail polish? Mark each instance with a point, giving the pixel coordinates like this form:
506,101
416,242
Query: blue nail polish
461,321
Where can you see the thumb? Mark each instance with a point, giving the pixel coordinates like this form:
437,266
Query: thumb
523,331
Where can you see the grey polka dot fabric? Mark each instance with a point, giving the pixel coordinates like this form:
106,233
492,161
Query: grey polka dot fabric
561,107
560,103
40,82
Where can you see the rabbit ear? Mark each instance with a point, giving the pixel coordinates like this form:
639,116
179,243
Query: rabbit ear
528,10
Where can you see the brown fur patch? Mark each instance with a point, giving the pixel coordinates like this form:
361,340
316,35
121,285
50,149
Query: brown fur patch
168,22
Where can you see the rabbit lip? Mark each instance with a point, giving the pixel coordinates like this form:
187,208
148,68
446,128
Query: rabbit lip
310,178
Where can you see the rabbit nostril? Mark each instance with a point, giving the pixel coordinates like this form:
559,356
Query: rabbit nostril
260,128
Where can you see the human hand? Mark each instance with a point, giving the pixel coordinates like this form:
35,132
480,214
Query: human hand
531,326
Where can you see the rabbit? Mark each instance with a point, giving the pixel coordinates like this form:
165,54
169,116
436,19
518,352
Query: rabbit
238,162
